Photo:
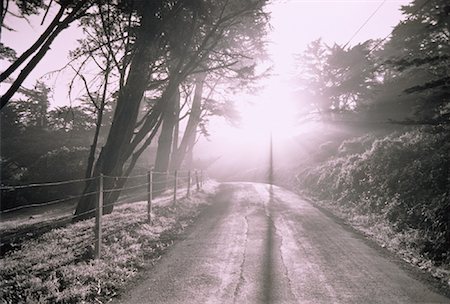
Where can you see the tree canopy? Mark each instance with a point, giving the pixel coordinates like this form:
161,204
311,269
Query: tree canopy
148,63
404,78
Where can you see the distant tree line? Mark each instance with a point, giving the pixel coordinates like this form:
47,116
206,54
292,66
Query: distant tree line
146,66
40,144
405,78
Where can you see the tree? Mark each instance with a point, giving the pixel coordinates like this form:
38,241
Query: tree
36,142
33,109
351,75
234,47
189,135
69,11
335,79
153,47
145,53
313,77
418,54
210,99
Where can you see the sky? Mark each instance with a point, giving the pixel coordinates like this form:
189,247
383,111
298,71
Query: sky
297,22
294,24
25,34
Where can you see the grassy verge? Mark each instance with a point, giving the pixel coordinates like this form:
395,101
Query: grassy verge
57,267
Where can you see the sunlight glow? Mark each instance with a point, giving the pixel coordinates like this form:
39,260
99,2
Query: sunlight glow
273,111
276,109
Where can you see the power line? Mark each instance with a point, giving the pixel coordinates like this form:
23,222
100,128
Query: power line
386,37
365,22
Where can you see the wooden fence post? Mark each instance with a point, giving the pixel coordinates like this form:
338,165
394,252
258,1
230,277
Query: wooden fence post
149,195
201,179
189,184
175,187
196,180
98,219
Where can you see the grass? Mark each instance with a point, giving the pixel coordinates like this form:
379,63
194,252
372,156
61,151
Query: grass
28,217
58,267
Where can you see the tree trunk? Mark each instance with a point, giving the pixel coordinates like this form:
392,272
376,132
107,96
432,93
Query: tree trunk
114,196
176,132
112,157
188,139
170,119
98,124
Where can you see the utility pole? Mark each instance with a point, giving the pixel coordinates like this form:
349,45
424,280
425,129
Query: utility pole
271,160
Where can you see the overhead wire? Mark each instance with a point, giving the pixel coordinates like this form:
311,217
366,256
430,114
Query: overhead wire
364,23
387,36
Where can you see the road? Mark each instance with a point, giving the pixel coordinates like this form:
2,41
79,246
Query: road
258,244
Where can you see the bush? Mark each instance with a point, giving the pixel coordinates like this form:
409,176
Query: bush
357,145
402,178
57,165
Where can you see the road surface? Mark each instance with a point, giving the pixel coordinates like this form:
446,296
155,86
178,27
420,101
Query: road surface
259,244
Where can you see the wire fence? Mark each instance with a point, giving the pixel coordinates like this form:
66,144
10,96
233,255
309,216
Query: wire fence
131,188
130,185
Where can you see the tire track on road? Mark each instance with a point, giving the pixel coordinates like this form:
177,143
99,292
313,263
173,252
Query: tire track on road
241,268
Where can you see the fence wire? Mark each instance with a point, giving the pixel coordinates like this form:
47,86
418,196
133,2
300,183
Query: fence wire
15,187
9,188
173,181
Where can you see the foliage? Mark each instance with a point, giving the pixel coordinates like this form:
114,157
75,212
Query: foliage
29,7
61,164
401,179
163,47
32,110
42,145
405,79
335,78
76,119
7,53
419,54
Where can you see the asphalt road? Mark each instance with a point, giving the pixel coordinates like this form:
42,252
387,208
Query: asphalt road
258,244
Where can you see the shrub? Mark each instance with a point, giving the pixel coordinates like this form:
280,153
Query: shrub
357,145
57,165
402,178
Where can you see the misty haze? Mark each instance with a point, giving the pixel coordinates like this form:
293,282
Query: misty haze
225,151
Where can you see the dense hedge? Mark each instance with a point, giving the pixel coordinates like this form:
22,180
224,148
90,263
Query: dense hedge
402,179
60,164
